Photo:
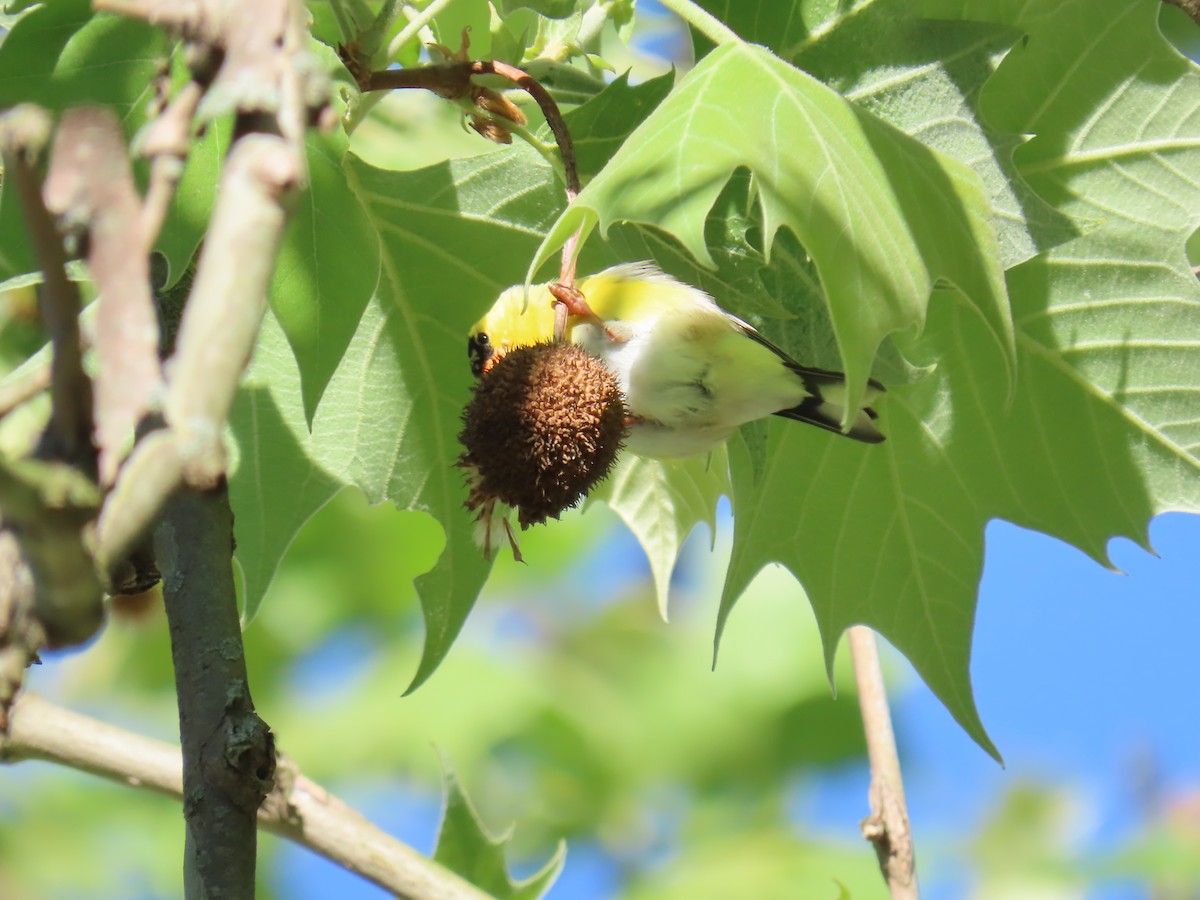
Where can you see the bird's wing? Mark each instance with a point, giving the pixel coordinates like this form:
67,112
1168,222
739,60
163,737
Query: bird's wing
800,369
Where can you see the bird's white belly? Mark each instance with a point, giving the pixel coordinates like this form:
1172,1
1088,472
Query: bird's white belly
678,390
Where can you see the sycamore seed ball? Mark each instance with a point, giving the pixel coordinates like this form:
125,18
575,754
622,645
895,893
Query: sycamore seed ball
544,426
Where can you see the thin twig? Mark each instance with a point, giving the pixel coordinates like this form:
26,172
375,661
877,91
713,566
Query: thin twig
22,386
452,81
566,147
167,144
887,828
417,22
703,21
68,437
90,183
49,503
300,810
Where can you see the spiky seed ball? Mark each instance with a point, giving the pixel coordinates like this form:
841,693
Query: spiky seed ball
544,426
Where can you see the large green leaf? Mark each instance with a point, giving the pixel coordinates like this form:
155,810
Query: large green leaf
861,52
328,268
61,55
275,484
452,237
881,215
1101,432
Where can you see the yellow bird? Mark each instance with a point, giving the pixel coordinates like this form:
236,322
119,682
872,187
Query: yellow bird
692,373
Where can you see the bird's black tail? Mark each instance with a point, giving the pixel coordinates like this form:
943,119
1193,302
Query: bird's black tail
827,401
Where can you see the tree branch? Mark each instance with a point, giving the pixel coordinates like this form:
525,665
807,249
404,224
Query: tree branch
299,809
90,184
250,58
216,338
453,81
228,751
24,131
887,827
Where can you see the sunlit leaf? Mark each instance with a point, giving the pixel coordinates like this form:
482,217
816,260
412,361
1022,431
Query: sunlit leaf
1101,433
662,501
467,847
452,238
328,268
64,54
882,216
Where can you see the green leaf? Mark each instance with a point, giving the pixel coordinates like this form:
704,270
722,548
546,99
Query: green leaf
328,268
882,216
275,484
1100,434
858,52
466,846
661,501
600,127
62,54
453,236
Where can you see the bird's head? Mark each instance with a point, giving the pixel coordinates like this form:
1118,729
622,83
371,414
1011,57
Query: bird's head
509,324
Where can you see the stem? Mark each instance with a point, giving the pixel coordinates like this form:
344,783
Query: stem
887,827
419,21
22,133
703,21
345,27
453,80
216,338
306,813
229,296
550,110
228,751
22,386
90,183
167,145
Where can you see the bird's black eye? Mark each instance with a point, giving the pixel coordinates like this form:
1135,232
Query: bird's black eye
479,351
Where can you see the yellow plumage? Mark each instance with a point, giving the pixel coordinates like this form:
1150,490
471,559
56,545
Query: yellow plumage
691,372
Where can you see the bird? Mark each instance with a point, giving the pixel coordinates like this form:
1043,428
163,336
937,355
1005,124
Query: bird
692,373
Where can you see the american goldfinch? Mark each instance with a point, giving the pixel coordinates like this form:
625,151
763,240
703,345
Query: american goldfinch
692,373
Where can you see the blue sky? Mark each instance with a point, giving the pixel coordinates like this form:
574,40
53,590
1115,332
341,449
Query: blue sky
1080,674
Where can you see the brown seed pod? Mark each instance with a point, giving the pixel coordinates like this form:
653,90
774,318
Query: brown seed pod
545,425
